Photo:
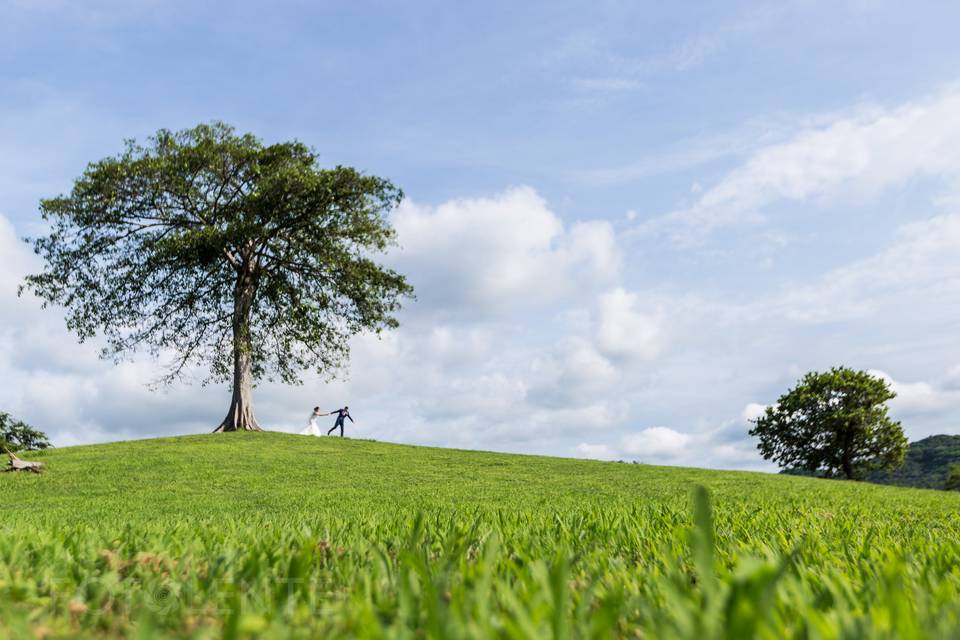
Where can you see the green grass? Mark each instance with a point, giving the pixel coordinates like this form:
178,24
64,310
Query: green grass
276,536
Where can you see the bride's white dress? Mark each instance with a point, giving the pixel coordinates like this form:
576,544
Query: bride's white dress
313,428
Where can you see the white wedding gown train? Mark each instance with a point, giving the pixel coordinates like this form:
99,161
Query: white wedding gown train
313,429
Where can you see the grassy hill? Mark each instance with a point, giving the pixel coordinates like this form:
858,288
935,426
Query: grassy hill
273,535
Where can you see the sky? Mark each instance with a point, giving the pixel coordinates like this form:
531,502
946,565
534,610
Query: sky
630,225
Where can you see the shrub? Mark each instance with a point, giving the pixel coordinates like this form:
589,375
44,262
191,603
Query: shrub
16,435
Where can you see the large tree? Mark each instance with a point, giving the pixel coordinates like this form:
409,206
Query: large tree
834,423
210,248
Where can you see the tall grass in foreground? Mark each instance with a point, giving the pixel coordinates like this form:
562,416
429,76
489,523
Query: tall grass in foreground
417,543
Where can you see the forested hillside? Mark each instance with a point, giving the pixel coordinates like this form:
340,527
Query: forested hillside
927,463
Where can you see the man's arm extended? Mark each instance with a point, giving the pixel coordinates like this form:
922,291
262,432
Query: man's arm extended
350,416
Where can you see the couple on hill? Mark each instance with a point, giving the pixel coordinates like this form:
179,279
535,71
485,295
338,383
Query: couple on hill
313,428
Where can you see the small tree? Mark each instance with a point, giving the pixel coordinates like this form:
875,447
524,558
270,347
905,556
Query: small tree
212,249
835,423
16,435
953,478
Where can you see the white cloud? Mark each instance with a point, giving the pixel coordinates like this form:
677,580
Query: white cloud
753,411
852,154
919,267
625,330
596,451
917,398
726,446
490,254
951,381
656,442
571,370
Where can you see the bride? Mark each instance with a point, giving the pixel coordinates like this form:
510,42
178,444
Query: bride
313,429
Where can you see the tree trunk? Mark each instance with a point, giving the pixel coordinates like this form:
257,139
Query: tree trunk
847,466
240,417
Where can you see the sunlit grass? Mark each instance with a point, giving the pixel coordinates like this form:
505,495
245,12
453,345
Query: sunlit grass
274,535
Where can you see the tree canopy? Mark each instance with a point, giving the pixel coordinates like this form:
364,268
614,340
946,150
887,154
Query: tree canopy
834,422
16,435
210,248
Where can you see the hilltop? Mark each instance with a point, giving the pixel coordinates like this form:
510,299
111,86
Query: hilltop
251,475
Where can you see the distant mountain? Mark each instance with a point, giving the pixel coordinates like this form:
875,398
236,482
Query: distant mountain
927,464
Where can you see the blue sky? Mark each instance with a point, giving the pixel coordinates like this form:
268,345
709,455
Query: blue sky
630,225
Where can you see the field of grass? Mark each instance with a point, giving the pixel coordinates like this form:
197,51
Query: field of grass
275,536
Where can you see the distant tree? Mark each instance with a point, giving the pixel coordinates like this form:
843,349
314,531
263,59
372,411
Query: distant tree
16,435
953,479
835,423
213,249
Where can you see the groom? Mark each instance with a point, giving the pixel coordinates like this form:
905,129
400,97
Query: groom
341,414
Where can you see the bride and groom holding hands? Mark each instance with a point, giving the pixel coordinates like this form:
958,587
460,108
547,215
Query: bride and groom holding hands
313,427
